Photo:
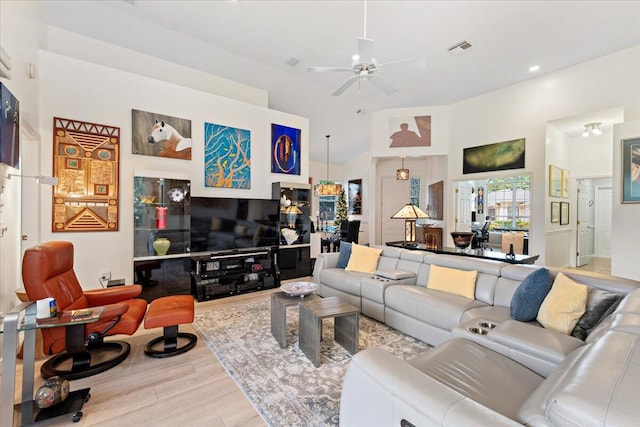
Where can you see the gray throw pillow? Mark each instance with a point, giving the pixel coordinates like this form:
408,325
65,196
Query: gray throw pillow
345,254
600,304
527,299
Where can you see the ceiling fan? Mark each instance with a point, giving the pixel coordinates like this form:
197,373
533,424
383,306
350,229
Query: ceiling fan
365,67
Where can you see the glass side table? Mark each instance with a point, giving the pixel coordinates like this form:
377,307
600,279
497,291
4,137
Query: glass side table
23,319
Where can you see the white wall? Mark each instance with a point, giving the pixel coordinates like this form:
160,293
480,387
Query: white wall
626,229
75,89
19,34
522,111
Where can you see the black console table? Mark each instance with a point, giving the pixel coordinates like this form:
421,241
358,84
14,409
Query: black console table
473,253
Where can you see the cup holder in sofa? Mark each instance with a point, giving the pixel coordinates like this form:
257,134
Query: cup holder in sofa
479,331
487,325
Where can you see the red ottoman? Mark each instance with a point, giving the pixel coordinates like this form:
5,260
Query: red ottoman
169,312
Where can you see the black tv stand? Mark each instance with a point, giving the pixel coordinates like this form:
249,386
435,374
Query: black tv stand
224,273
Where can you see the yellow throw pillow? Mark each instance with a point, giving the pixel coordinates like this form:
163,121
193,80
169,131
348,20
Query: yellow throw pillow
564,305
453,281
363,259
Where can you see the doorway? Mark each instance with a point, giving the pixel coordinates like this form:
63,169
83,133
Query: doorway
594,224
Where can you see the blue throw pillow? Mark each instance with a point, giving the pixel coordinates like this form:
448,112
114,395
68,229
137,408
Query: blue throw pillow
527,299
345,254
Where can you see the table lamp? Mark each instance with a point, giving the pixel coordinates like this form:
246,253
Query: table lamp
292,211
410,213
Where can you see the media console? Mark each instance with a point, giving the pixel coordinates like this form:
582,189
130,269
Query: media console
220,274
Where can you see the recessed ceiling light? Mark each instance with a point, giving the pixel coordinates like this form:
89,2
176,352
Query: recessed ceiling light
534,68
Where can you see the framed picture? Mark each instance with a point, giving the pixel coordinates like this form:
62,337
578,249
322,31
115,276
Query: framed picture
227,156
9,128
285,150
555,211
631,170
154,134
355,197
566,178
555,181
494,157
564,213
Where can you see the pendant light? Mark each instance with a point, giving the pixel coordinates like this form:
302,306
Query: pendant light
402,174
327,188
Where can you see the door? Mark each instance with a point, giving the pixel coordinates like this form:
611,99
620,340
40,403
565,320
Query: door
603,221
464,203
585,221
395,194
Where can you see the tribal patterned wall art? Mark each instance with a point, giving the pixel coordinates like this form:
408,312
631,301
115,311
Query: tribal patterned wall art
227,157
285,150
86,160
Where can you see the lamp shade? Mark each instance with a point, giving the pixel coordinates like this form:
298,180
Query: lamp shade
410,211
292,209
327,188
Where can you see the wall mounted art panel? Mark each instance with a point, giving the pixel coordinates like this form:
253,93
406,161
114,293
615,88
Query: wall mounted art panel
410,131
9,128
494,157
86,160
285,150
159,135
355,197
631,170
435,207
227,157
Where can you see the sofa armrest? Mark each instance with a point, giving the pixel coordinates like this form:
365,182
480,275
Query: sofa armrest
545,344
324,260
381,390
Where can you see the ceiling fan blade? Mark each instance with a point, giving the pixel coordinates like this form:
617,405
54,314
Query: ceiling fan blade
325,69
365,50
415,62
345,86
383,85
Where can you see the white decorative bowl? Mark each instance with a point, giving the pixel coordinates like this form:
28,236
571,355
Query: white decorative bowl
299,289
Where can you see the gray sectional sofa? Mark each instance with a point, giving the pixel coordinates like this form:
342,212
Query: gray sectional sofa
486,368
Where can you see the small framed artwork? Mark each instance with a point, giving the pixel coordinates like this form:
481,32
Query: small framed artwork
355,197
555,211
564,213
566,178
555,181
631,170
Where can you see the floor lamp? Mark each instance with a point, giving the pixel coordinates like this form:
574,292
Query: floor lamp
410,213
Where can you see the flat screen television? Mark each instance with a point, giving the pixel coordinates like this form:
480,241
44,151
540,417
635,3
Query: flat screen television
225,224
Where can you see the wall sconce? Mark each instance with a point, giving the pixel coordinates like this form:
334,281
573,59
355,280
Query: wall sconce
402,174
593,128
410,213
40,179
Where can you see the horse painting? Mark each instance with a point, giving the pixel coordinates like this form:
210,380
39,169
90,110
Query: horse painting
174,145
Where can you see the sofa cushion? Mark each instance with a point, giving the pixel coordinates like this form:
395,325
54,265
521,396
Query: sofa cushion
345,281
564,305
527,299
345,254
363,259
600,304
482,375
453,281
437,308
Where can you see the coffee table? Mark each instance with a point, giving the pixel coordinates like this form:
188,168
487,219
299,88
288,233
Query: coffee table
279,303
346,328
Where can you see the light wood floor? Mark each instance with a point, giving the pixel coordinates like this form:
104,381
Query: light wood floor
192,389
601,266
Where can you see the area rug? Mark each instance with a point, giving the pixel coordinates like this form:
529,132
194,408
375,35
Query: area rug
283,384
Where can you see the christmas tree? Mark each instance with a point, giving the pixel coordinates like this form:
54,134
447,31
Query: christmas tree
341,210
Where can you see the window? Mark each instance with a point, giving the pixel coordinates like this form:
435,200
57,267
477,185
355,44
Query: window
508,202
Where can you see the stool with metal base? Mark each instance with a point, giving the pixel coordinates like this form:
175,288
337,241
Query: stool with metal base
168,313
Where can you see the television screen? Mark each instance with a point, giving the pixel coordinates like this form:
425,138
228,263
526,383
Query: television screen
219,224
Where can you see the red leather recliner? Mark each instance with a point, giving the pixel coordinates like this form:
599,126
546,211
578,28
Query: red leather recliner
47,271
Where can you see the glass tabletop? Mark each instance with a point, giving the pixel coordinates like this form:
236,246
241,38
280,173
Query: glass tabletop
27,318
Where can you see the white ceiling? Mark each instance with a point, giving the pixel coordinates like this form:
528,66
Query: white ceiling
251,41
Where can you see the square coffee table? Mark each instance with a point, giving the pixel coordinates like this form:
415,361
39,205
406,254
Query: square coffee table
346,328
279,303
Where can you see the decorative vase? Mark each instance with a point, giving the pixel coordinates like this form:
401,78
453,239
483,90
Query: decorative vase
161,245
52,392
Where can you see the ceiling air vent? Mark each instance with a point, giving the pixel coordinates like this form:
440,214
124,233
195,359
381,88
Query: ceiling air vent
292,62
459,48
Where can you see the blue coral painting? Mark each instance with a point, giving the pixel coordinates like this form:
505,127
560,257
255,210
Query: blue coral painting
285,150
227,157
